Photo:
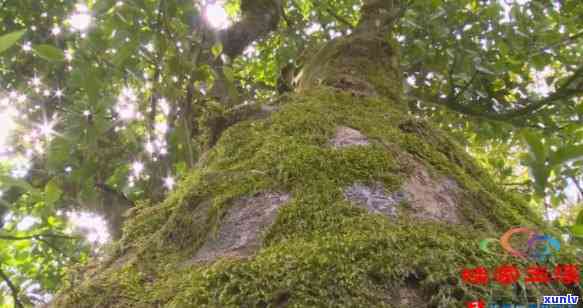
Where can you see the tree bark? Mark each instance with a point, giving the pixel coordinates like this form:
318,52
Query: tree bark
339,198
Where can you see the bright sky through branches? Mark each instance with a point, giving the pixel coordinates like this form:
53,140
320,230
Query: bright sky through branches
81,19
216,16
93,226
7,124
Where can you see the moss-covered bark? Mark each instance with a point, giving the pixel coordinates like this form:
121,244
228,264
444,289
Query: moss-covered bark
322,250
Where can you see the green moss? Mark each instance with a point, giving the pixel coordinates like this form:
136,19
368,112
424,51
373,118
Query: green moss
360,267
363,266
321,251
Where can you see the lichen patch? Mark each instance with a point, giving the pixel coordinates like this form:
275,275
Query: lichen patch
240,232
374,199
346,136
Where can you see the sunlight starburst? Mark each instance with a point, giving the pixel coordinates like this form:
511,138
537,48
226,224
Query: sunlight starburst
80,20
169,182
216,16
47,128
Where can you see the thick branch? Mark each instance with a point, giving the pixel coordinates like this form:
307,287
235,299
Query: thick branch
260,17
379,16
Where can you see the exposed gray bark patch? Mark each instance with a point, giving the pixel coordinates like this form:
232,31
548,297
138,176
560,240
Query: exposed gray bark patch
240,230
409,297
432,198
425,197
346,136
374,199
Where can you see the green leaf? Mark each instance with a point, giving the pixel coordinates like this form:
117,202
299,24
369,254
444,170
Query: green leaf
440,12
577,230
536,160
8,40
49,53
124,53
229,74
232,8
90,78
484,70
537,148
566,154
556,200
485,243
305,7
579,220
103,6
12,182
181,168
541,178
59,153
119,175
52,193
217,49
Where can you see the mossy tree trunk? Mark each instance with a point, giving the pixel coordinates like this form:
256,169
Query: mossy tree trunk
338,198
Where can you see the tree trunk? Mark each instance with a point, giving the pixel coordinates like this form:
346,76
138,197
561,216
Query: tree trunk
338,198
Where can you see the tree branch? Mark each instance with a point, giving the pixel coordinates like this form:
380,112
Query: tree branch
379,16
451,72
288,22
525,183
578,186
466,86
13,289
259,19
566,91
36,236
568,39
